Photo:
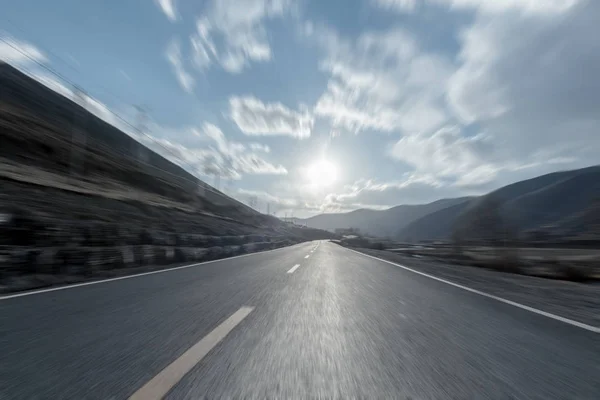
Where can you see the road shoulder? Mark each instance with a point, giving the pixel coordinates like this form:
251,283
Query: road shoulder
577,301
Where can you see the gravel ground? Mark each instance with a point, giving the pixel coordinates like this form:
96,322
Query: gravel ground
577,301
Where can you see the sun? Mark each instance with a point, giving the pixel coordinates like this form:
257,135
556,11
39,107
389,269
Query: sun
321,173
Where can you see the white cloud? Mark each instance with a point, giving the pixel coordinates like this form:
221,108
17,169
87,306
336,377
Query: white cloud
52,83
448,154
20,53
369,193
232,33
296,206
531,83
276,202
168,8
254,164
384,82
206,151
236,158
397,5
540,7
525,78
528,6
254,118
173,55
260,147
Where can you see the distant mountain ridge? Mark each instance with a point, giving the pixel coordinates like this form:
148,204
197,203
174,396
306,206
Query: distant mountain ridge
381,223
563,203
549,203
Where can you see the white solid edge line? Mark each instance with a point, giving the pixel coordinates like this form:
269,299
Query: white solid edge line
581,325
159,386
294,268
118,278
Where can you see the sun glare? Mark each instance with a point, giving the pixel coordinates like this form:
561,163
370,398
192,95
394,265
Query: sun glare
321,173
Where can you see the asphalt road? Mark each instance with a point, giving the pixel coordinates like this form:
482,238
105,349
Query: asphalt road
279,325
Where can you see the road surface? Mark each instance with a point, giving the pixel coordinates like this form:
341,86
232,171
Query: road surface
313,320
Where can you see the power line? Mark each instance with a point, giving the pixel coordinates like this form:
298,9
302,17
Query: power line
53,54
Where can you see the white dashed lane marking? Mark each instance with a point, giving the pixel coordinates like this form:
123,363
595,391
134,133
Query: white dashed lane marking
294,268
160,385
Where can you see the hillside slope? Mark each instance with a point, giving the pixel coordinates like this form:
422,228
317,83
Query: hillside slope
43,129
63,168
433,226
553,202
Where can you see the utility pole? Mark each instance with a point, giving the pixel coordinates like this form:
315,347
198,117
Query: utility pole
78,135
268,208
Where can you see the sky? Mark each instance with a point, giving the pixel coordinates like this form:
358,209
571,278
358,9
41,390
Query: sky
311,106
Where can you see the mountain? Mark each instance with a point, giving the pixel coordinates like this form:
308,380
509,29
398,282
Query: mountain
41,128
381,223
434,226
60,162
69,177
554,202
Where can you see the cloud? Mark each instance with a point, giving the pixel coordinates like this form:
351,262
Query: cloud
281,206
540,7
260,147
397,5
448,154
291,205
19,53
520,99
256,118
275,202
168,8
369,193
236,157
206,152
528,6
531,83
232,33
173,55
384,82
